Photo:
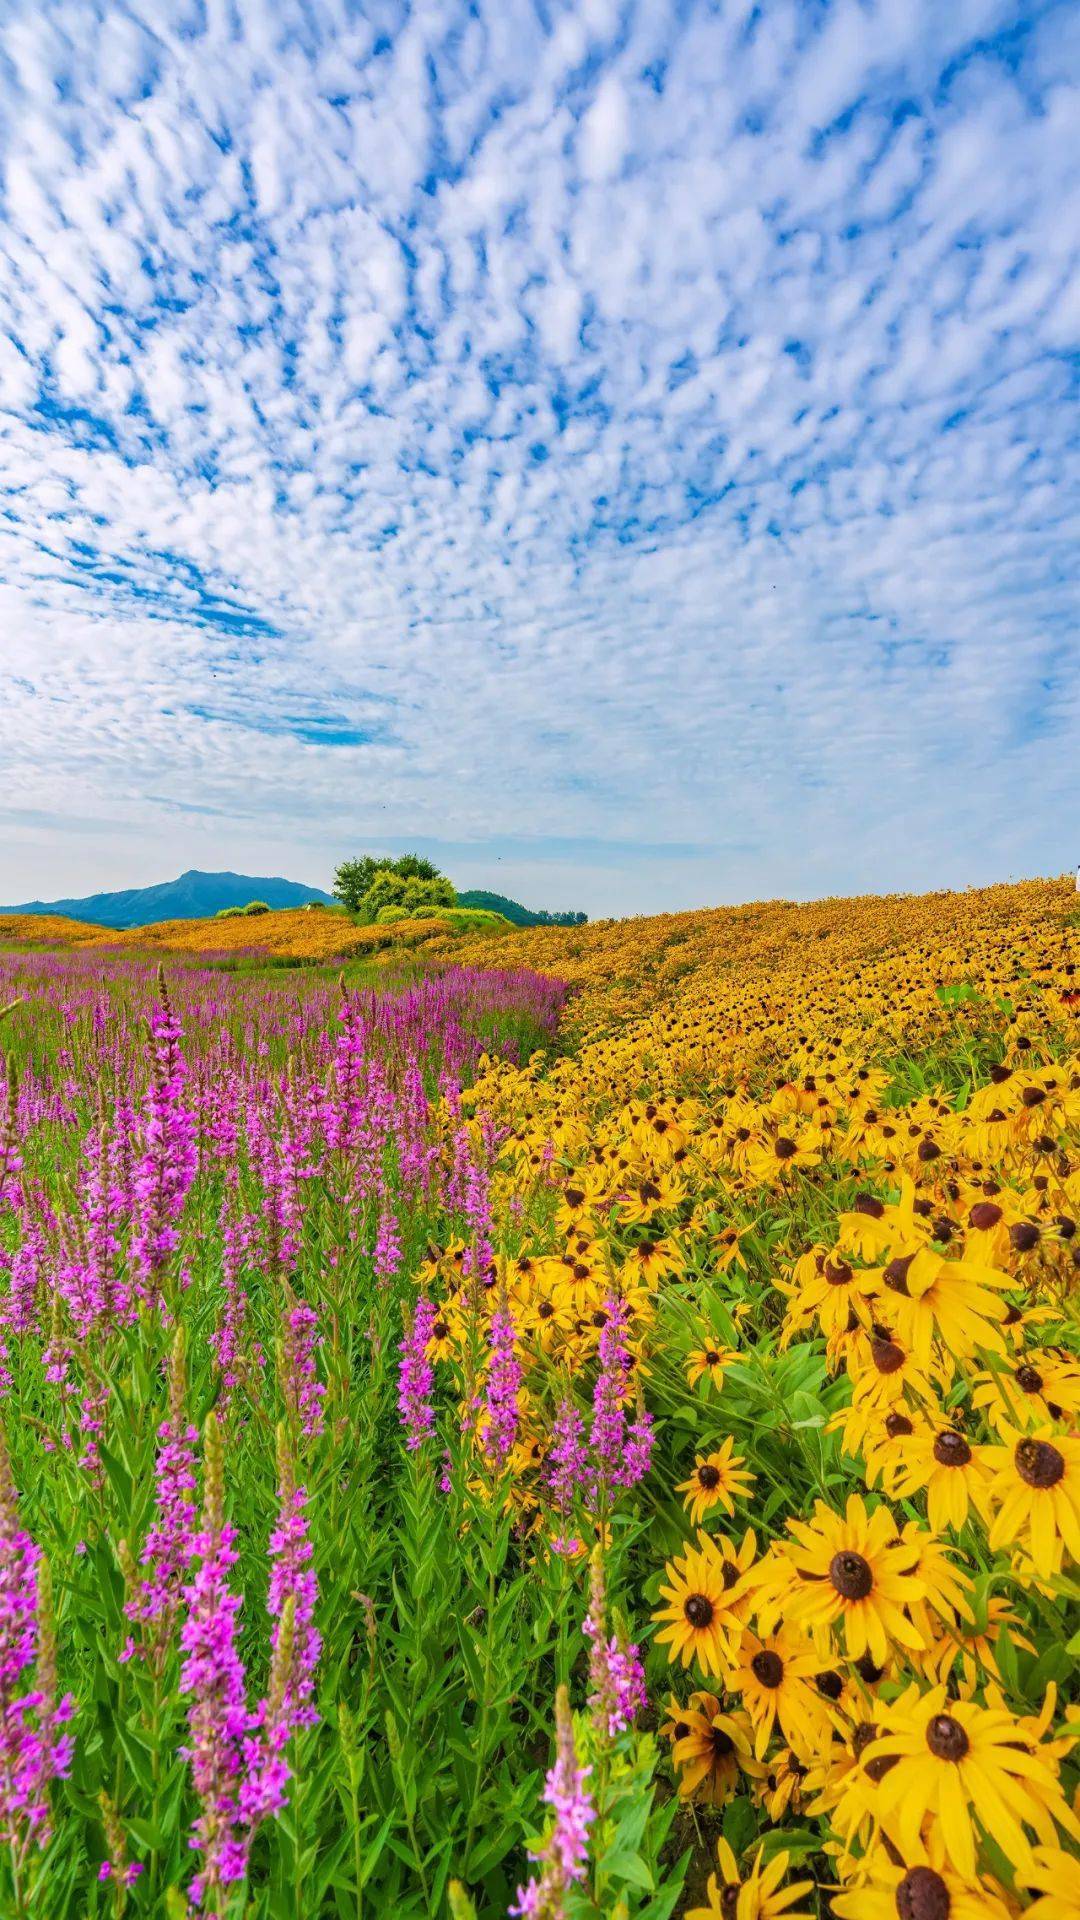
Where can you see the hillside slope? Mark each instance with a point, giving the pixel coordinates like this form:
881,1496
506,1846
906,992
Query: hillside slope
192,896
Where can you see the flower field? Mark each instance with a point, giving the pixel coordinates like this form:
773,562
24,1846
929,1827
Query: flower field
591,1430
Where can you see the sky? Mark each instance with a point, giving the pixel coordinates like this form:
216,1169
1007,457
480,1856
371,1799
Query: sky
626,451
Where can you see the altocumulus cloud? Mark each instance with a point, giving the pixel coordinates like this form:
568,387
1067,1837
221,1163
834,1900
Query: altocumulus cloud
616,427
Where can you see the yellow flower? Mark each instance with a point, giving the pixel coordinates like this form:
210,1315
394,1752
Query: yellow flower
699,1618
710,1749
954,1473
858,1574
1036,1490
954,1301
918,1890
776,1678
1040,1388
716,1478
709,1362
970,1768
761,1896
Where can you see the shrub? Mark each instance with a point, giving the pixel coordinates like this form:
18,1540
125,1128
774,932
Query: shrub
255,906
229,913
387,915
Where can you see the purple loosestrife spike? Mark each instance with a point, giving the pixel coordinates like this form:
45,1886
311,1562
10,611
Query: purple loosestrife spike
500,1423
33,1750
616,1674
10,1155
167,1163
563,1859
212,1678
387,1244
416,1376
170,1539
567,1464
293,1583
303,1390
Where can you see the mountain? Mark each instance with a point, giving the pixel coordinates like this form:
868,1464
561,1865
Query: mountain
513,911
194,896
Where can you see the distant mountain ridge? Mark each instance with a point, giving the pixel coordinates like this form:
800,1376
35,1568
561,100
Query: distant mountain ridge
193,896
513,910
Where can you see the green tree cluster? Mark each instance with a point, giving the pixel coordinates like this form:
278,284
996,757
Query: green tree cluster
386,890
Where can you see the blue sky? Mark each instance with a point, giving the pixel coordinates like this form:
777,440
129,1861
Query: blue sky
629,450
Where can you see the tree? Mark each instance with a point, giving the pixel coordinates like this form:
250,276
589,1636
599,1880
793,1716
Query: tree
413,866
354,878
368,885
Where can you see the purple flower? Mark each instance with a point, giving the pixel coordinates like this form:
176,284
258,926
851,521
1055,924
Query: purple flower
500,1424
303,1390
416,1376
563,1858
166,1166
212,1677
616,1673
33,1752
293,1579
567,1464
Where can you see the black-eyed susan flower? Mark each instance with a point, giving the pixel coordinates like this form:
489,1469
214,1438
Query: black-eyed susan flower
709,1362
775,1678
711,1750
928,1889
954,1474
761,1895
699,1622
970,1768
857,1579
1035,1489
1041,1387
717,1479
954,1301
781,1790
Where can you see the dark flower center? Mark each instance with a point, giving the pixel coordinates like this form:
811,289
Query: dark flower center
545,1310
712,1358
1023,1236
680,1730
698,1609
897,1424
574,1196
896,1273
984,1215
767,1667
922,1895
951,1450
851,1575
440,1329
1038,1463
837,1273
1029,1379
946,1738
868,1204
864,1734
783,1147
887,1356
729,1902
868,1670
722,1743
729,1575
708,1477
830,1684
